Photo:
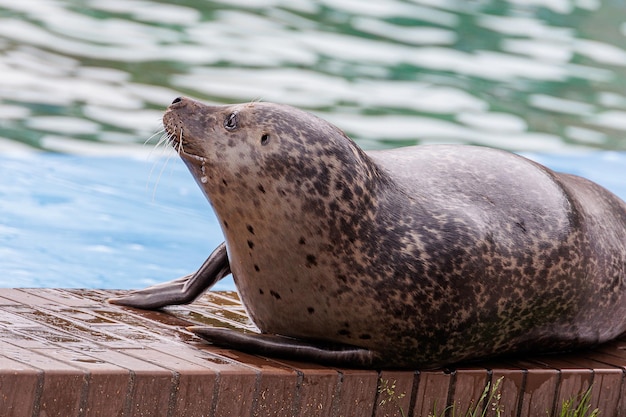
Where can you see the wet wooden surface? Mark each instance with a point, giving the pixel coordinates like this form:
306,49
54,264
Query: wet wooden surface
68,353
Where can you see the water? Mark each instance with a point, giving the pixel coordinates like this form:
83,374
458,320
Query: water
92,78
544,76
100,222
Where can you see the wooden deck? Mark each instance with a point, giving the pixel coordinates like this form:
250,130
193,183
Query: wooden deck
67,353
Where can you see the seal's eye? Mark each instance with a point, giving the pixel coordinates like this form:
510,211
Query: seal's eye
230,122
264,139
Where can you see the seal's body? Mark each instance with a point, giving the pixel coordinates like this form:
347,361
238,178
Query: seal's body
414,257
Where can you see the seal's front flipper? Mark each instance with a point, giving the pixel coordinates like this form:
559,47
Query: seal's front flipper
182,290
287,348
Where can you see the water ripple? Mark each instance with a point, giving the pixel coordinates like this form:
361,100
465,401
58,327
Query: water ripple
533,75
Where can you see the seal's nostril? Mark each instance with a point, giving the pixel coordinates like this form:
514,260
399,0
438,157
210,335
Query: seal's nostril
177,100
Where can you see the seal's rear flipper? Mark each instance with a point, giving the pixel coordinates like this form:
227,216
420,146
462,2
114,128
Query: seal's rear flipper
287,348
182,290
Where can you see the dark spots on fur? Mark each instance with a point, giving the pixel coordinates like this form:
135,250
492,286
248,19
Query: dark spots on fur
250,228
315,205
225,223
261,291
224,182
348,228
334,207
275,294
365,336
311,310
346,195
343,278
256,268
251,244
311,261
261,188
302,241
529,271
521,225
322,181
344,332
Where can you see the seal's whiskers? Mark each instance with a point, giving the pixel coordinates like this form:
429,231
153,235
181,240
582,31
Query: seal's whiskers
158,132
179,145
164,151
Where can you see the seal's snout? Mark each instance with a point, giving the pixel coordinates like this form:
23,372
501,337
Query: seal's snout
177,100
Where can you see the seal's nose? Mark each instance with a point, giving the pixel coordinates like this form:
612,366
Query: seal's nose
177,100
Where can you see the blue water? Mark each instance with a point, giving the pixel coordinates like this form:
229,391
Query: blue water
100,222
119,222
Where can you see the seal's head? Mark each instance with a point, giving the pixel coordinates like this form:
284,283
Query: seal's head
258,148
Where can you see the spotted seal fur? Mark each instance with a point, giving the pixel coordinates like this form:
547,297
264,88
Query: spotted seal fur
414,257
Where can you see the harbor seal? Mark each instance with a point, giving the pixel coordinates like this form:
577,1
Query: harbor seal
416,257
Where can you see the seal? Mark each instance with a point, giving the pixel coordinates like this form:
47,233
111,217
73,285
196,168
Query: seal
417,257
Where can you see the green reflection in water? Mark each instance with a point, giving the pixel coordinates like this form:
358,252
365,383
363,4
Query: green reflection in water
543,76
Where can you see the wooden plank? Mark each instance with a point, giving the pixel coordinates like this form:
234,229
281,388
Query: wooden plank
394,393
432,392
276,384
316,392
7,302
25,298
317,389
510,389
467,387
56,297
607,380
612,393
63,385
151,387
194,384
155,325
357,393
235,394
63,324
573,379
276,393
540,389
271,386
107,383
72,354
19,387
614,354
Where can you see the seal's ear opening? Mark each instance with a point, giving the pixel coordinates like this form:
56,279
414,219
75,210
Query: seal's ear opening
265,139
231,122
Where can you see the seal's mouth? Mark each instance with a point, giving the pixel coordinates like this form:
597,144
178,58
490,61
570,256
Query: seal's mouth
174,131
178,133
